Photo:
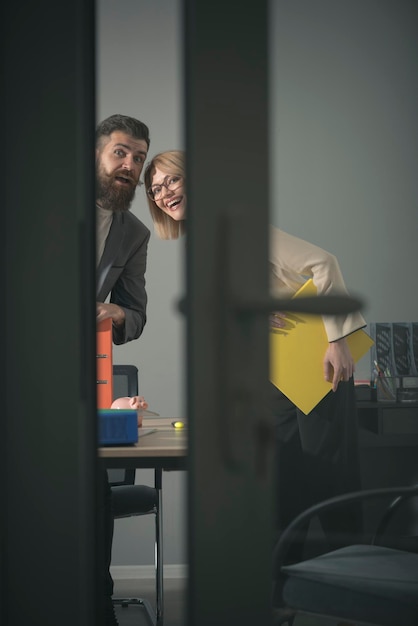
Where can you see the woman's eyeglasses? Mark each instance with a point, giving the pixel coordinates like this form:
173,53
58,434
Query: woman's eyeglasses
171,183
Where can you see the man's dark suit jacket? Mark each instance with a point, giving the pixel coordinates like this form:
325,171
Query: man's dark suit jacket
121,273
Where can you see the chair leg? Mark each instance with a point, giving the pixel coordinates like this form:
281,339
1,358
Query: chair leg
146,604
159,564
156,616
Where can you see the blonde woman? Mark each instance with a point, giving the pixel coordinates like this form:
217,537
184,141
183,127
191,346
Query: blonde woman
317,453
165,182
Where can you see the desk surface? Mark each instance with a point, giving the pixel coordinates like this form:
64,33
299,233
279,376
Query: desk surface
165,448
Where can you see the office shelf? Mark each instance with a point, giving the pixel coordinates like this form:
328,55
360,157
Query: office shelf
388,423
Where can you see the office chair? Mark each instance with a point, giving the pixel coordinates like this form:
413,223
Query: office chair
130,500
364,583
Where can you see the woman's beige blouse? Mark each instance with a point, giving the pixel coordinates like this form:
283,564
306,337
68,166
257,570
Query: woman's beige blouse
293,261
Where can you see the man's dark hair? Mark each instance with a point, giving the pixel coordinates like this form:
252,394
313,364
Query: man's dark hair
125,124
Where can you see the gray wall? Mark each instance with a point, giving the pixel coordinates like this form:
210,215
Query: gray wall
344,142
343,167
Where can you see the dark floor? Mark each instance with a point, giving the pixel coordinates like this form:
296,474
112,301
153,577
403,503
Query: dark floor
174,604
174,601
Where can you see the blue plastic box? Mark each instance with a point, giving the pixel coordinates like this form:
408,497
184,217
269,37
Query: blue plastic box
118,427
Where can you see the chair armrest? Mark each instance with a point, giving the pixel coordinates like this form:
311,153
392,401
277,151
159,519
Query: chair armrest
285,540
393,508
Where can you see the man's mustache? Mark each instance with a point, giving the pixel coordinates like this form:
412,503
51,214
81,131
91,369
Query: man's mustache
124,174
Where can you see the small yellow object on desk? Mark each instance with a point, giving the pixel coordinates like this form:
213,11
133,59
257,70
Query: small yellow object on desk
178,424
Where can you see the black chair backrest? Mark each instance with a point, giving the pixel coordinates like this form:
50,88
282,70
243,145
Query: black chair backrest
125,383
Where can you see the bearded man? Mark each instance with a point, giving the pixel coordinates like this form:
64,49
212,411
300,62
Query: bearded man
122,145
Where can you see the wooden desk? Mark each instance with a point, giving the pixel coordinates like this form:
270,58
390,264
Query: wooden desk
166,448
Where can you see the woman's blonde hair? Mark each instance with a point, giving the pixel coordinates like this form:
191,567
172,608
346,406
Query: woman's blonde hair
170,162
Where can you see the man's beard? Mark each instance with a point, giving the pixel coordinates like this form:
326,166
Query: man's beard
110,196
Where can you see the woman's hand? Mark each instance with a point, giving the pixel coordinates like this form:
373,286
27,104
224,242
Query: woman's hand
277,320
338,363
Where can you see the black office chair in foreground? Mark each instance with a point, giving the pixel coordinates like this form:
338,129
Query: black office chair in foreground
130,499
363,584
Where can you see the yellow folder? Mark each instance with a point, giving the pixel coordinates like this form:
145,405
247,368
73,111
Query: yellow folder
297,352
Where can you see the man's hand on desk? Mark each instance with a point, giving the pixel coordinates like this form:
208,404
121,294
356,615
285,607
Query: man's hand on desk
109,310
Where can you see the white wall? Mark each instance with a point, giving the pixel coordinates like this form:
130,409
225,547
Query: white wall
344,172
